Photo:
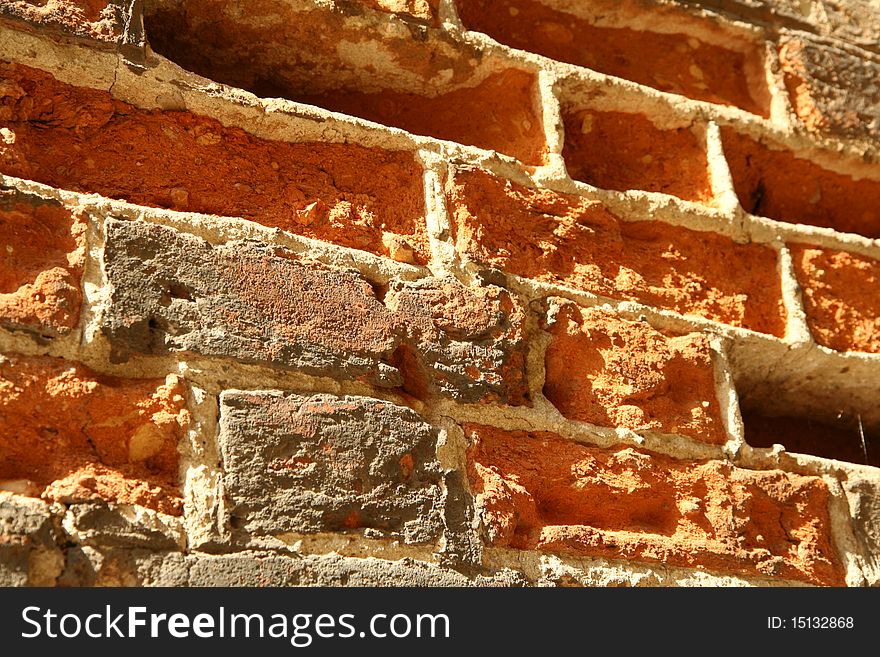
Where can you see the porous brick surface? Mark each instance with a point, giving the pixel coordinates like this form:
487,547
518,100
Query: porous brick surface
439,293
71,434
580,243
537,491
41,262
298,463
616,373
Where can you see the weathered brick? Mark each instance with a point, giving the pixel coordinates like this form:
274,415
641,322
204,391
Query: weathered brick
841,293
430,336
103,525
833,91
295,463
673,62
29,554
42,251
537,491
563,239
470,341
619,150
863,493
468,116
616,373
82,139
416,79
72,435
170,292
855,21
773,182
88,566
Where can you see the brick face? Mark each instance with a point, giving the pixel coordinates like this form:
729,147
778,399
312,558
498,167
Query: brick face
612,372
276,308
295,463
461,293
42,250
428,86
671,62
840,297
196,164
537,491
775,183
616,150
564,239
832,90
72,434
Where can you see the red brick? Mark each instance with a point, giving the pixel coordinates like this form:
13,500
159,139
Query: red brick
841,293
42,250
537,491
616,373
676,62
420,81
467,116
82,139
69,434
774,183
618,150
568,240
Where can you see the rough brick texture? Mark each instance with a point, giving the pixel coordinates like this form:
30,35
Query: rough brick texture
412,80
439,293
537,491
841,297
565,239
612,372
615,150
673,62
70,434
102,20
297,463
276,308
42,247
342,193
777,184
832,90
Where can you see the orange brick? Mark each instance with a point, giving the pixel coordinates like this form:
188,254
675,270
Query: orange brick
69,434
615,373
618,150
774,183
42,249
537,491
467,116
82,139
674,62
841,293
420,81
563,239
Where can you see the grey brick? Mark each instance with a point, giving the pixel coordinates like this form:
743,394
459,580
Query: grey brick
294,463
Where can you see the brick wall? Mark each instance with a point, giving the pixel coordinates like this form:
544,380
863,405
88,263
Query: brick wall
439,292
